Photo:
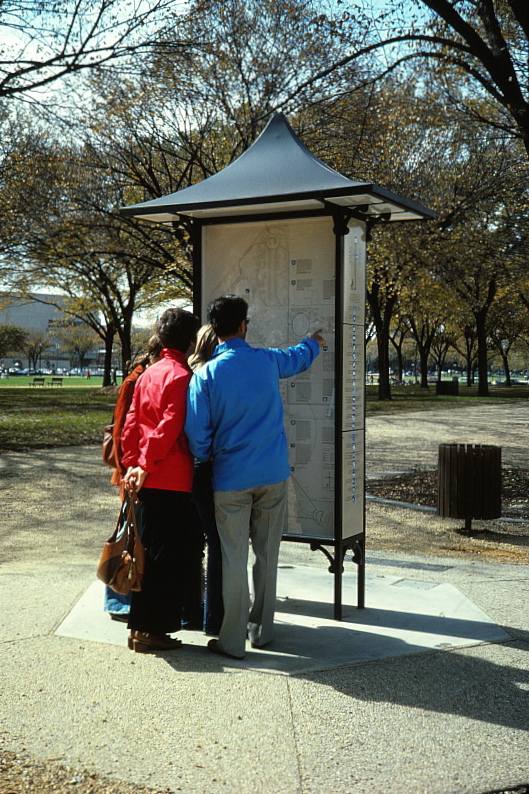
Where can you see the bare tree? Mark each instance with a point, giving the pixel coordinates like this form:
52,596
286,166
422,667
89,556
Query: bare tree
37,342
66,235
76,339
481,44
12,339
42,42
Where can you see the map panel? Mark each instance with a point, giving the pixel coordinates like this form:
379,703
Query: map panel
245,260
353,416
354,275
286,271
354,328
310,435
353,483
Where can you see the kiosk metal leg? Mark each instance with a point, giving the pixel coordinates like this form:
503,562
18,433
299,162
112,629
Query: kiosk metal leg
359,558
336,567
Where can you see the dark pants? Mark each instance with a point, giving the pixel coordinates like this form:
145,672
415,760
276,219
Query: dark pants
203,496
172,535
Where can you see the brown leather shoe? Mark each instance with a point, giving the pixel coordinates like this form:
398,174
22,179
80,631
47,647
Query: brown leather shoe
143,642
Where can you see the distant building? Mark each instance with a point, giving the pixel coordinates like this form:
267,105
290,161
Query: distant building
31,314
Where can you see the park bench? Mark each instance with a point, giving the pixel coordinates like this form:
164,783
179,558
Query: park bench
37,382
56,381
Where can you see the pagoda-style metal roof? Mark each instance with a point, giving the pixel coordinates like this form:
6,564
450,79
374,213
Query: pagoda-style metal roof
277,174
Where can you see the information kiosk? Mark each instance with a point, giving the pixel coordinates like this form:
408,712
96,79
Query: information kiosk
286,232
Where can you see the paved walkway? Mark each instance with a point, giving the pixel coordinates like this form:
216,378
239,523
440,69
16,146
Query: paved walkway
427,690
405,441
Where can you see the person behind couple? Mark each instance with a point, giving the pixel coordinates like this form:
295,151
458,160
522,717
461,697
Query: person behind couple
235,417
116,604
160,467
203,495
123,403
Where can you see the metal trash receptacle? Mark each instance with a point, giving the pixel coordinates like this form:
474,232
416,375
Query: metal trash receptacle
469,482
447,387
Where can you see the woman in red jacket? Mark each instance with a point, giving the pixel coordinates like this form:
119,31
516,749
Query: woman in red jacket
160,469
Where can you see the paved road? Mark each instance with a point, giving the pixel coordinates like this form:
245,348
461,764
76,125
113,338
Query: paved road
401,442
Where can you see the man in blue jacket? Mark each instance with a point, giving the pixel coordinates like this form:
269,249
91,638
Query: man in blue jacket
235,417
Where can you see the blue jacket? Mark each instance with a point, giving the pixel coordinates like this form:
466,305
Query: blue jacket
235,412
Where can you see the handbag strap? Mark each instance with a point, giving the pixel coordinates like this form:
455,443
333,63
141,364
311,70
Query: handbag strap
127,517
132,519
121,517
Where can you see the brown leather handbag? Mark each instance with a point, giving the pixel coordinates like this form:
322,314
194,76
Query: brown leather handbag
107,449
122,561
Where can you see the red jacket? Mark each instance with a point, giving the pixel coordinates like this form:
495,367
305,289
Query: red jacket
153,435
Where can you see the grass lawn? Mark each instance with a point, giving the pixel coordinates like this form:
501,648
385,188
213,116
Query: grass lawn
413,398
18,381
43,417
76,413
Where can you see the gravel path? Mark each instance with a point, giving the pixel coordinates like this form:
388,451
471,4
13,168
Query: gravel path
20,775
406,441
47,495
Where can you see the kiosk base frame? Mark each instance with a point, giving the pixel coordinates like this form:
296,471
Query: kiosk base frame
335,553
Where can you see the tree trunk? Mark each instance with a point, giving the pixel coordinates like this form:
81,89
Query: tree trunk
469,355
382,321
398,352
399,365
109,341
384,387
125,337
481,334
423,337
506,369
423,355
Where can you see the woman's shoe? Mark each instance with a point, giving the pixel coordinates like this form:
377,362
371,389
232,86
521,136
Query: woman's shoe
130,640
122,617
143,642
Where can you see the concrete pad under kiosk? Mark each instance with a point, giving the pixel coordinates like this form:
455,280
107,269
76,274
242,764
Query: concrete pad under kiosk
402,617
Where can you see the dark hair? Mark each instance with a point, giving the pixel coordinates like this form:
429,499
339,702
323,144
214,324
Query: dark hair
176,329
226,314
154,347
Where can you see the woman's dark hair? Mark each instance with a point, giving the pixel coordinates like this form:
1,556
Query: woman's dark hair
154,348
226,314
177,328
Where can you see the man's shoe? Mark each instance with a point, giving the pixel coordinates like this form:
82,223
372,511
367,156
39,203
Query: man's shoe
214,647
258,647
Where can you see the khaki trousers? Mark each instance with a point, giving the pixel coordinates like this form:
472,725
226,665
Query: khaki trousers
256,515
